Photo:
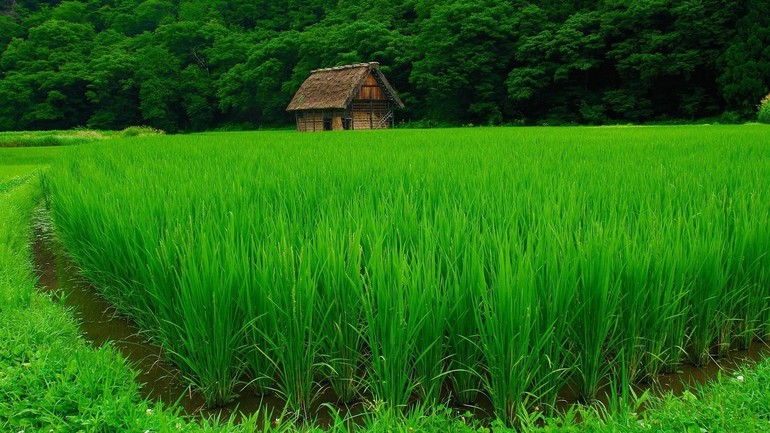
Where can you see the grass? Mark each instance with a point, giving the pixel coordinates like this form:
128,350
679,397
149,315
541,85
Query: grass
588,256
18,163
68,138
340,296
51,379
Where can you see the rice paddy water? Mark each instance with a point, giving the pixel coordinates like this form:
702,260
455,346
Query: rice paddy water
394,265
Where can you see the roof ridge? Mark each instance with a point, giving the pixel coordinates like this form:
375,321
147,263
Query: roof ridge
354,65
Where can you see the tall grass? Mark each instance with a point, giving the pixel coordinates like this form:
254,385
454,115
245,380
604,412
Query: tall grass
465,286
340,289
391,328
395,265
297,340
597,308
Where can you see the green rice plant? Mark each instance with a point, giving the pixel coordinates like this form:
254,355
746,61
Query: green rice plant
709,278
516,261
510,332
735,285
635,313
428,303
666,343
209,332
596,307
259,331
296,345
556,280
652,320
391,329
749,274
465,288
340,287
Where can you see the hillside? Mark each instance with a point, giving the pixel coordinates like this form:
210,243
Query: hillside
203,64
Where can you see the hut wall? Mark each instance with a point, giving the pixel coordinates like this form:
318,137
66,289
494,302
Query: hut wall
371,90
314,121
310,121
369,114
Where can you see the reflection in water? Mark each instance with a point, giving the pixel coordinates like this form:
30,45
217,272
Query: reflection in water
101,324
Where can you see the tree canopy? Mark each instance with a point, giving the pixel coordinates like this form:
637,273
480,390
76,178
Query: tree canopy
200,64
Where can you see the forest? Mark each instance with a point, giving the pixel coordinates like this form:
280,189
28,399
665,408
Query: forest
190,65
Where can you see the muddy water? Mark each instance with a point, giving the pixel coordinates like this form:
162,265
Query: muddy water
100,324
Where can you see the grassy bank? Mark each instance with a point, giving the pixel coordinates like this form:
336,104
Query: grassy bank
69,137
50,379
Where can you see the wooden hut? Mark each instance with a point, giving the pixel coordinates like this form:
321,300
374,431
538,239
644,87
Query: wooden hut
345,97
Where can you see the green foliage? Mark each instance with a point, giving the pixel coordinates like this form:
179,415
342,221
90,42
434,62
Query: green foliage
470,52
296,266
53,380
15,270
50,378
51,138
72,137
140,131
197,65
744,66
763,115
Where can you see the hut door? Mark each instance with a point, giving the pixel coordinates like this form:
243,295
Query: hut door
347,122
327,123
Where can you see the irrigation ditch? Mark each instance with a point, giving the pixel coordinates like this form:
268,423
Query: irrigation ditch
101,324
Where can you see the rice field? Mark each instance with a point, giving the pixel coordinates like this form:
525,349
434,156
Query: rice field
402,266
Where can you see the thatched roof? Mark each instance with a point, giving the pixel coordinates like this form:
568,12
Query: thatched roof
335,88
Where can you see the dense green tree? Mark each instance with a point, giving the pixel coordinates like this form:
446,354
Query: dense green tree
198,64
470,48
50,65
9,29
160,88
257,88
558,74
113,90
744,67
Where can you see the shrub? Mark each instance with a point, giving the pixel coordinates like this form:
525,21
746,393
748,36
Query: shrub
729,118
764,110
140,131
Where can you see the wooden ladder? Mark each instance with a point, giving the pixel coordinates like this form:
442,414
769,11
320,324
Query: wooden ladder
385,119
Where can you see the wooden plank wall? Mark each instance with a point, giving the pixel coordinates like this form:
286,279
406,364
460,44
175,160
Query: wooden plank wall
371,90
367,114
310,121
313,121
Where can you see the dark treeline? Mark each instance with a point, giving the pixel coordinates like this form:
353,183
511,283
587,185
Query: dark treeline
200,64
